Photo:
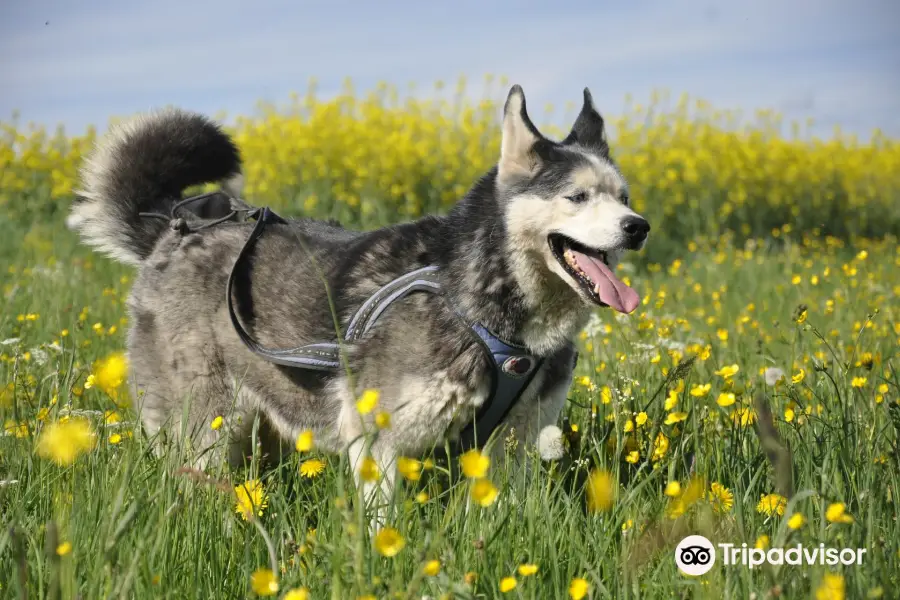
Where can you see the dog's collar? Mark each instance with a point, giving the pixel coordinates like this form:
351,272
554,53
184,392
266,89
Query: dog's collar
513,369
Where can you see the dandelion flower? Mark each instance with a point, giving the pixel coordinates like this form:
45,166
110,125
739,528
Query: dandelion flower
383,419
508,584
832,587
110,373
601,491
720,497
368,470
264,582
389,542
836,513
474,464
796,521
483,492
410,468
312,467
771,504
367,402
578,589
115,439
304,441
63,442
527,569
432,568
251,498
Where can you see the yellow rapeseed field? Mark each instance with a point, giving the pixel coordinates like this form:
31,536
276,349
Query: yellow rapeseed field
376,158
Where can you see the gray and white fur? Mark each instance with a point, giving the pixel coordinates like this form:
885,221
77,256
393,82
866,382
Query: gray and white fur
506,259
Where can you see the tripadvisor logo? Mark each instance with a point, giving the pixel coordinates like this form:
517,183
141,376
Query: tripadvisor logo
696,555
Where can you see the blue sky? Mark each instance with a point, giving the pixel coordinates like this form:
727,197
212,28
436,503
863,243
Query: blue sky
837,61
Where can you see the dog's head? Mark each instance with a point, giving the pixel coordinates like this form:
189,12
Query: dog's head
567,206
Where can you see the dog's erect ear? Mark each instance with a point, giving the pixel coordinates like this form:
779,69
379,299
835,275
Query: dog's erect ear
517,156
588,130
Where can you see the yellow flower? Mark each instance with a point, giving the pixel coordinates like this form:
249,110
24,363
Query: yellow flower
660,446
859,382
601,491
474,464
483,492
115,438
722,334
762,542
796,521
700,390
297,594
389,542
579,588
799,376
527,569
251,498
671,400
835,513
64,548
744,416
304,441
508,584
422,497
312,467
801,318
688,497
789,414
264,582
368,401
632,457
64,442
771,504
410,468
90,382
675,417
110,374
720,497
216,423
470,578
432,568
728,371
641,419
673,489
368,470
383,419
831,588
605,395
725,399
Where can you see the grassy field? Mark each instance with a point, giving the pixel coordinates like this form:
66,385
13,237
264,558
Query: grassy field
724,445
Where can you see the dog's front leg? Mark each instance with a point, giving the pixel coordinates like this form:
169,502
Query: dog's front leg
375,485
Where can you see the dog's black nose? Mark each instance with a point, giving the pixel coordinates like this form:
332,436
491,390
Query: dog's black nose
636,228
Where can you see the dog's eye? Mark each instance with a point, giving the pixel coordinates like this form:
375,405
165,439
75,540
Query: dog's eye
578,197
623,197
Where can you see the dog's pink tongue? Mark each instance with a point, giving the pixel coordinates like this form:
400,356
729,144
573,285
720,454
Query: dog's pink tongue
612,291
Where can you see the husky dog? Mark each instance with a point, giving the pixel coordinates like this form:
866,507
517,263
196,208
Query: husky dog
528,253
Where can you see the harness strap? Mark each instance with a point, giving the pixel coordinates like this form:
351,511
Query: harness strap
319,357
513,369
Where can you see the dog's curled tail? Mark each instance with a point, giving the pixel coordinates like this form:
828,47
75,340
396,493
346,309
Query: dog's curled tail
144,165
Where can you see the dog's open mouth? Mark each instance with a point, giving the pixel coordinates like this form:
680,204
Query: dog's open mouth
589,269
